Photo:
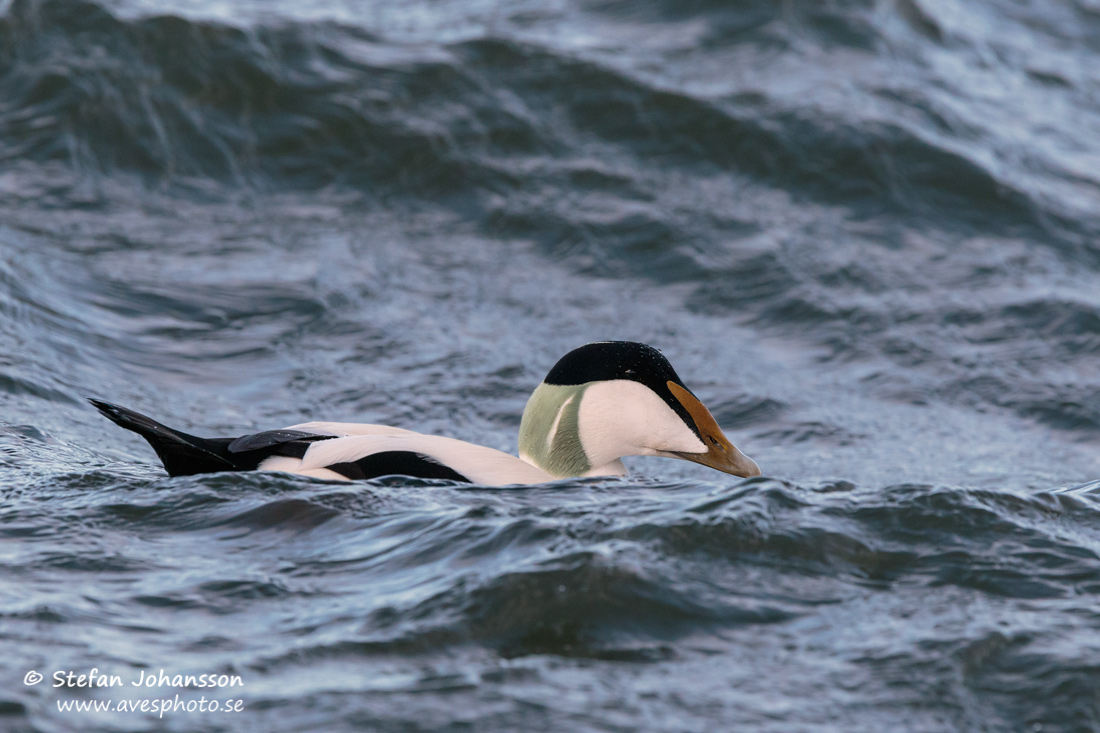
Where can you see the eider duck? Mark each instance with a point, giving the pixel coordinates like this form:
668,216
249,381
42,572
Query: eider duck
599,403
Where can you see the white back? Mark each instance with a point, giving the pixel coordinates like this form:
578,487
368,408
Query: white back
481,465
348,428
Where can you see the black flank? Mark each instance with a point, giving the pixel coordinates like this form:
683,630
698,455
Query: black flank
396,463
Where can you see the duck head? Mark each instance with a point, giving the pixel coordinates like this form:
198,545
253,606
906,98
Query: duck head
612,399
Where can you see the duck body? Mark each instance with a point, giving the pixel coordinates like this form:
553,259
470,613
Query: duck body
600,402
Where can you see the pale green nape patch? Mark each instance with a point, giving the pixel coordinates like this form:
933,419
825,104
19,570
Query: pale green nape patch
563,455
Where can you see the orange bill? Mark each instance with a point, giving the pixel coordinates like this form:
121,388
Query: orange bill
721,454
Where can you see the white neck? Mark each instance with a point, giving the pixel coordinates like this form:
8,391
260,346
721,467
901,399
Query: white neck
614,468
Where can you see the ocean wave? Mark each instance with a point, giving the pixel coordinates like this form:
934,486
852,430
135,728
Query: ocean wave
303,107
589,565
622,571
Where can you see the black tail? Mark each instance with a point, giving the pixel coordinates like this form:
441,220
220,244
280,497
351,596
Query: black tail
181,454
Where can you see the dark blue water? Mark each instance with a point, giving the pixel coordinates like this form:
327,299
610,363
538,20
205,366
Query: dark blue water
866,233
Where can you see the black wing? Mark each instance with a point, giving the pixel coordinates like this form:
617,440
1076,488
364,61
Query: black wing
269,438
